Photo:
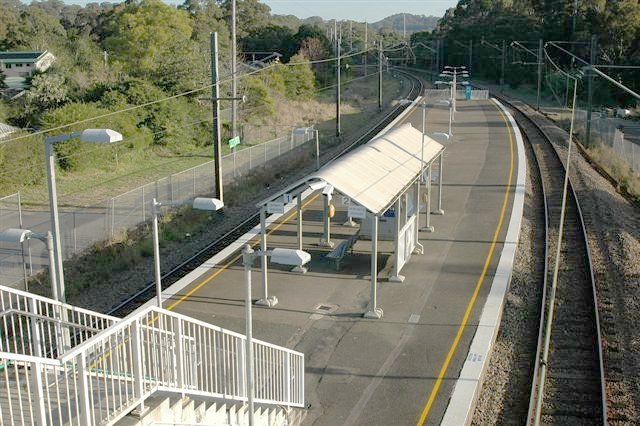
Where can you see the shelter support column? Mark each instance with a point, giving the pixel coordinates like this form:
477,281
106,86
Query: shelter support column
428,227
265,300
300,269
396,277
439,211
419,248
326,238
374,312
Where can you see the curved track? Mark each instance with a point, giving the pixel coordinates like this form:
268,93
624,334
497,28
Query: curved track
148,291
574,385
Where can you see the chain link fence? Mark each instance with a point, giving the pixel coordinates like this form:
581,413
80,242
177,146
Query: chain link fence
83,227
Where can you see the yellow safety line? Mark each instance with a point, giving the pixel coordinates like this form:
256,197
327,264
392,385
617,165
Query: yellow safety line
235,259
456,340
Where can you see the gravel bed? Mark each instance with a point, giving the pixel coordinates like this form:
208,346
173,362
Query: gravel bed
504,398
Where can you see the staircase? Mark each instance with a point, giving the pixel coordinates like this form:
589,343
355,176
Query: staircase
62,365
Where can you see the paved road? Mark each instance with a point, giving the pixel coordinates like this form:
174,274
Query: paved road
383,372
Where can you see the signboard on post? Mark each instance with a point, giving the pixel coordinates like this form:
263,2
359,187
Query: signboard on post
357,212
274,207
233,142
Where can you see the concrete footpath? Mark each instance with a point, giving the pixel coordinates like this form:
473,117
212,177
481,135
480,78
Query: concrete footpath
398,370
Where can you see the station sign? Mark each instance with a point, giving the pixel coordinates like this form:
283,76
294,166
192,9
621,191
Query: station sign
233,142
275,207
357,212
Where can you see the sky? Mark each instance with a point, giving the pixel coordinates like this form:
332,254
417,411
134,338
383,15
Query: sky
358,10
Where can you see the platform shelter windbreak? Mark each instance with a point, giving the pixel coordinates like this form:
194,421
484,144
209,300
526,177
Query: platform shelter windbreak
382,174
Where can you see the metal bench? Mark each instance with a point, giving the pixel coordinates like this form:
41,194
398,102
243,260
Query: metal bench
341,250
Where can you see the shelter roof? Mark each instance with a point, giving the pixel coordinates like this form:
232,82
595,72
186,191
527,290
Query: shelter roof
375,174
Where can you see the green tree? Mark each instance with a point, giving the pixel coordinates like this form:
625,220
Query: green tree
299,79
251,15
271,38
143,32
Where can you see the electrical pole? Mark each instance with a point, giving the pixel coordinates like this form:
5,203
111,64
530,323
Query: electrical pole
470,54
592,61
338,40
380,74
540,63
234,90
574,18
350,35
437,58
215,108
504,53
404,26
366,52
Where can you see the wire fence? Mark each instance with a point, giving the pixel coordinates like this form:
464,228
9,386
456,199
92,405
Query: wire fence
83,227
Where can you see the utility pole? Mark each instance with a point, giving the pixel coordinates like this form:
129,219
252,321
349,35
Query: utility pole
437,58
504,54
338,40
574,18
215,108
380,74
366,46
350,35
335,29
470,54
540,63
592,61
234,90
404,26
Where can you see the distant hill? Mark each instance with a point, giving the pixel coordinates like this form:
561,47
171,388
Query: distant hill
415,23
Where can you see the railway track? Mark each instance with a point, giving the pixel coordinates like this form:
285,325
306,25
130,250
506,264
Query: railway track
146,293
573,391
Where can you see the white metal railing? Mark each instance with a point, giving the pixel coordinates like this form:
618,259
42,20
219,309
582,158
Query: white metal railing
39,326
105,377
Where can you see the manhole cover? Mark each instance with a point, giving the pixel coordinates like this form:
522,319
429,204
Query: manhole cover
326,308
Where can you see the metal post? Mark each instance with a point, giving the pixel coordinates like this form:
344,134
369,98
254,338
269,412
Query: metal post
234,91
540,63
37,387
380,75
299,221
592,60
366,45
84,406
179,342
156,252
470,55
317,149
450,119
374,312
554,281
36,342
440,173
247,259
52,266
428,227
350,35
55,222
263,259
326,237
215,107
138,376
396,277
504,53
338,41
24,260
419,249
437,57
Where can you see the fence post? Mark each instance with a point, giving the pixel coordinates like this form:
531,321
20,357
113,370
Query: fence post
179,345
84,405
36,345
136,349
38,394
287,366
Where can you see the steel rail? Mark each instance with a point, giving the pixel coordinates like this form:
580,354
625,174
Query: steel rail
253,220
581,222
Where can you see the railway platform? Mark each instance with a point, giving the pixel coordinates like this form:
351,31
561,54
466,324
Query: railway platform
403,368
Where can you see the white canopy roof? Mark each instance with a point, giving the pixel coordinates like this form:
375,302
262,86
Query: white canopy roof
375,174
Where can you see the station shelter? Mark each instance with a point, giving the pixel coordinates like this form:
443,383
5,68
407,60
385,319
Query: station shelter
380,182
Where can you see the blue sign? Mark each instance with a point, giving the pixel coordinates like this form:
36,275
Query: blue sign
467,93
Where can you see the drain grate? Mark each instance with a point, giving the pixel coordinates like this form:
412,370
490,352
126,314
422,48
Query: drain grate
326,308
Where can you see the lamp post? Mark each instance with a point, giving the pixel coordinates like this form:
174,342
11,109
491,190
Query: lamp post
283,257
207,204
15,235
88,135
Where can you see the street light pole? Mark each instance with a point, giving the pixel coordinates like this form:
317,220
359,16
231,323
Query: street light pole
247,260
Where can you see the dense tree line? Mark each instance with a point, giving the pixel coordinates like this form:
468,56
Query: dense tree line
615,24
